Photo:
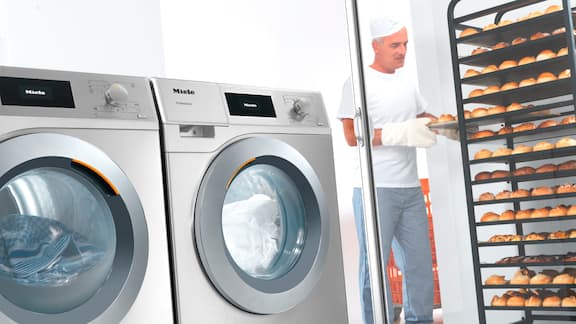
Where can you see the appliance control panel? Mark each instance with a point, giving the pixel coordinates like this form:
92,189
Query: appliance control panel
47,93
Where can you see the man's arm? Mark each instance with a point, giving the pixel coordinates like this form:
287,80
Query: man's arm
350,135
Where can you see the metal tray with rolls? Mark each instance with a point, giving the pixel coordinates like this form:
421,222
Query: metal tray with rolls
513,67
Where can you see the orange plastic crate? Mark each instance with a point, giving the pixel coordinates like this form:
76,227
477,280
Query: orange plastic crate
395,275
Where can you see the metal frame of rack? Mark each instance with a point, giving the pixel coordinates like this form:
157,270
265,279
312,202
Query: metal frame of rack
554,91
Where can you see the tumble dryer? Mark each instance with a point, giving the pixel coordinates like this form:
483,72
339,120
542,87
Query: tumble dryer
82,219
252,204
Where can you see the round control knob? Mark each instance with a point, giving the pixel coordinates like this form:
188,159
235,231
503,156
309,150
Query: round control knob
298,111
116,95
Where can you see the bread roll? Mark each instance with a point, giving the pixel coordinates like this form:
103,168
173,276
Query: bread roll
565,142
527,60
539,35
524,214
496,110
563,279
533,301
541,146
545,55
507,215
482,134
567,165
523,171
479,50
468,32
489,27
509,86
558,211
540,212
571,211
546,168
489,217
505,22
569,301
479,112
483,154
470,73
499,301
563,51
519,149
446,118
548,123
514,106
505,130
527,82
489,69
520,193
553,8
484,175
568,120
503,151
564,74
535,237
558,235
542,191
523,127
540,279
504,194
535,14
495,280
475,93
552,301
467,114
518,40
498,174
507,64
500,45
546,77
566,188
516,301
486,196
560,30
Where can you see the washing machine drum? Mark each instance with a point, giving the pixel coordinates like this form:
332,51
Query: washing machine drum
62,258
261,225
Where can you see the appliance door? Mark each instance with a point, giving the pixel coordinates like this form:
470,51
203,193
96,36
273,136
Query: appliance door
261,225
73,238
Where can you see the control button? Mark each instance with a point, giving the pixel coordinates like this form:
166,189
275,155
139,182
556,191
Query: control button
299,109
116,95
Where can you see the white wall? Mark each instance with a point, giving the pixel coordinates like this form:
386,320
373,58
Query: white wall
106,36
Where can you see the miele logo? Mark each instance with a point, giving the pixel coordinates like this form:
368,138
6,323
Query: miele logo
35,92
183,91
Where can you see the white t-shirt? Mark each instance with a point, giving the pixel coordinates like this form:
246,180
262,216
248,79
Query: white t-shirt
390,98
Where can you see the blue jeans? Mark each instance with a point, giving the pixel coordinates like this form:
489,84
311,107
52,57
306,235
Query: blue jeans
404,227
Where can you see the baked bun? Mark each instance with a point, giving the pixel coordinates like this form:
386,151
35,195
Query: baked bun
552,301
484,175
558,235
546,77
533,301
475,93
503,151
564,74
479,50
548,123
568,120
535,237
568,165
499,301
495,280
540,279
507,64
514,106
446,118
571,211
553,8
489,217
545,54
482,134
527,82
558,211
524,127
519,149
566,188
483,154
486,196
540,212
560,30
569,301
563,51
504,194
518,40
542,191
516,301
523,171
524,214
507,215
468,32
489,69
546,168
505,22
509,86
541,146
505,130
467,114
489,27
527,60
500,45
496,110
520,193
479,112
535,14
539,35
498,174
565,142
470,73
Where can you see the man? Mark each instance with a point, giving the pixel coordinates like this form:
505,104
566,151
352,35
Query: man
397,111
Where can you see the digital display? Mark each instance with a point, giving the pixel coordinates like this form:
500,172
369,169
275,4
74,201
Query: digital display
36,93
250,105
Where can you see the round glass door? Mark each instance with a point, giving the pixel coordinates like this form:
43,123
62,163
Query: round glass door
264,221
57,233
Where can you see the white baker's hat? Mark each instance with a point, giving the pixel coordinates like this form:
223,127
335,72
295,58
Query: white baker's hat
382,26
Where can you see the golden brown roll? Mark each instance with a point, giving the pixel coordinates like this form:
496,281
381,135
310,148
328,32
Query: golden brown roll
507,64
546,77
540,279
505,22
563,279
535,237
505,130
539,35
523,171
497,174
520,279
541,146
552,301
519,149
475,93
548,123
553,8
568,120
524,214
567,165
520,193
491,89
564,74
503,151
571,234
470,73
489,69
489,27
569,301
495,280
499,301
516,301
545,55
542,191
548,167
496,110
563,51
527,60
467,114
534,301
558,235
540,212
507,215
560,30
483,154
479,50
446,118
514,106
500,45
565,142
479,112
482,134
527,82
558,211
518,40
489,217
484,175
523,127
565,188
468,32
509,86
504,194
486,196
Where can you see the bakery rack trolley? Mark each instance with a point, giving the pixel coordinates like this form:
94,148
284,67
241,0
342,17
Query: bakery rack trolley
540,101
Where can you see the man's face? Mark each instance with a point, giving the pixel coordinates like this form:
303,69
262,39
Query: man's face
390,51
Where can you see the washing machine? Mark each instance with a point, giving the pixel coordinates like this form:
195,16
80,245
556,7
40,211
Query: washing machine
82,218
251,195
